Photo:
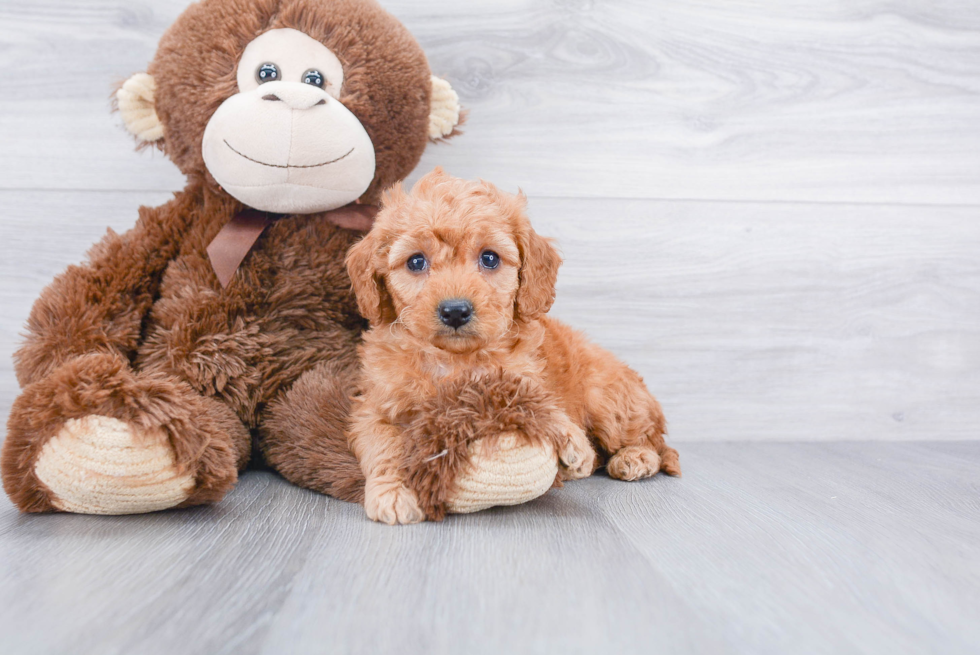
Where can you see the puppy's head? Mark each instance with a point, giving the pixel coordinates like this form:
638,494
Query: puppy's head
455,262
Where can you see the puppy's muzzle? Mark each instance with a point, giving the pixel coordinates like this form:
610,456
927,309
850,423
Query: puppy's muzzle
455,312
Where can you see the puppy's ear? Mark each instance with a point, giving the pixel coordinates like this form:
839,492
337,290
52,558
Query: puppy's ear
373,299
538,275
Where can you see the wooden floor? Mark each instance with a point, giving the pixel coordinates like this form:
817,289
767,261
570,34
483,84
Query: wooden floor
760,548
771,209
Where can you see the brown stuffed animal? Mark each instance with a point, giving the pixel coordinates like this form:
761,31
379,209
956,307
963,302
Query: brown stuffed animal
226,315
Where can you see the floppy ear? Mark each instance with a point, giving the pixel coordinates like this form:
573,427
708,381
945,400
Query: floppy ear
444,112
369,286
538,275
135,100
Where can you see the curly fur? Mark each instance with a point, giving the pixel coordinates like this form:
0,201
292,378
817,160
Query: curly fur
413,364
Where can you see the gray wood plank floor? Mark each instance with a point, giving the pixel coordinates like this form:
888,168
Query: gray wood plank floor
760,548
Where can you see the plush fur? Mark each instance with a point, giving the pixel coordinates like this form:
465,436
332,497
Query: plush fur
144,333
410,358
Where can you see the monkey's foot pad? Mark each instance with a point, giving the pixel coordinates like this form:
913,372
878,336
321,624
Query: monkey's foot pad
101,465
511,474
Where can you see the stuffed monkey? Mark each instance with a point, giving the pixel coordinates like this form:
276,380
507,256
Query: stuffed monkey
225,319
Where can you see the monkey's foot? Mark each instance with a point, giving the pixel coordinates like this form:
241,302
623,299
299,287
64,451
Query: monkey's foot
509,474
101,465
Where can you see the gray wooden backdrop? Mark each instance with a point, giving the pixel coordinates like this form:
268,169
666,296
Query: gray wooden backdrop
770,209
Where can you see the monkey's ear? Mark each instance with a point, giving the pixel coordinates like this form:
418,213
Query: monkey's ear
444,114
135,100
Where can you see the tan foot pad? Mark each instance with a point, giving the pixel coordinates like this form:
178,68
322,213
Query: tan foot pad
514,473
97,465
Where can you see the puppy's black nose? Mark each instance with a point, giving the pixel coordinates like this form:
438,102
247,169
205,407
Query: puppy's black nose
455,313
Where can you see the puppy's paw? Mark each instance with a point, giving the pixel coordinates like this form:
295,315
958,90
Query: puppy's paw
392,503
633,463
577,457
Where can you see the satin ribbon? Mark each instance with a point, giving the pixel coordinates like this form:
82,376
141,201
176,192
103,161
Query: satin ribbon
235,240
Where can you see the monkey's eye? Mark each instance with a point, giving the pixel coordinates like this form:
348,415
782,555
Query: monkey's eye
314,77
417,263
489,259
267,72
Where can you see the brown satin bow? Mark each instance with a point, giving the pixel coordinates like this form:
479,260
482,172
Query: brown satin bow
233,242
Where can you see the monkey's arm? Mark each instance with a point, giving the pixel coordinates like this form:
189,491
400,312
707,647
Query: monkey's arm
121,440
99,306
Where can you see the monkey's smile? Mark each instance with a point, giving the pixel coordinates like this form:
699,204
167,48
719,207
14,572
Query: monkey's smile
240,154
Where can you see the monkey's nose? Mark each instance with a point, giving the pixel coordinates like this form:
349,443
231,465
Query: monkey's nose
455,313
294,94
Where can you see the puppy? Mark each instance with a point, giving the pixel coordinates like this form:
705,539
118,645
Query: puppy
454,281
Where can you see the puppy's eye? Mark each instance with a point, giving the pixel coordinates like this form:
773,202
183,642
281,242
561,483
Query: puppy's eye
489,259
417,263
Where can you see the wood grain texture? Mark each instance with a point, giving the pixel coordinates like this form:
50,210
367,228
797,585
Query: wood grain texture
749,321
760,548
782,321
870,101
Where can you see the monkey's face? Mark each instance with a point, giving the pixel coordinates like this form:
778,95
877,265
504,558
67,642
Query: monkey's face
285,143
290,106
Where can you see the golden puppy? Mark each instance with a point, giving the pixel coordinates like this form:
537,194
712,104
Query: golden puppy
453,280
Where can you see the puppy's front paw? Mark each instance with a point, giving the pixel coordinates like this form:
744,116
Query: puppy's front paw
392,503
577,457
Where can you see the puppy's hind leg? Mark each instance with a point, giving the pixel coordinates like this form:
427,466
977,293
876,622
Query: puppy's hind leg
629,425
634,463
